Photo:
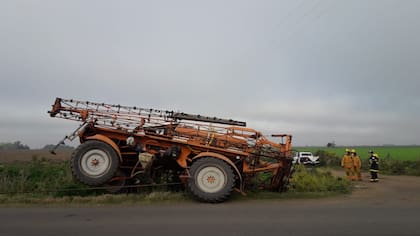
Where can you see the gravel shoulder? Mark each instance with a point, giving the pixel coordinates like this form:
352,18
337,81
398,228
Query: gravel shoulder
389,191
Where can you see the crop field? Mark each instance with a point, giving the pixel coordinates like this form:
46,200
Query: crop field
402,153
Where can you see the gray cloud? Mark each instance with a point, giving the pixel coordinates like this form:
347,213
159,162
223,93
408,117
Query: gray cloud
322,70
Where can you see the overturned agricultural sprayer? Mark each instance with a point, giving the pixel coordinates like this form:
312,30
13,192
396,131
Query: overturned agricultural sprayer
210,156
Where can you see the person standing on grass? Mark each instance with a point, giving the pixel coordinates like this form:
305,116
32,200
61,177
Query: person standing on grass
374,167
348,164
357,165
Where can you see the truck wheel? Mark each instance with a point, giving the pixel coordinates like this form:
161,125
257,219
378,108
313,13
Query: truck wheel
212,180
117,183
94,163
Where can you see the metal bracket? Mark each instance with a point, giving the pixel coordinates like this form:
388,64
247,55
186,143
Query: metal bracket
70,137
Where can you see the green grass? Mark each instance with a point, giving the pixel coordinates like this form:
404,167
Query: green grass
39,176
99,200
46,182
315,180
36,182
306,183
403,153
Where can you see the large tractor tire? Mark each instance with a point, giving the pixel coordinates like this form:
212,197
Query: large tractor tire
94,163
212,180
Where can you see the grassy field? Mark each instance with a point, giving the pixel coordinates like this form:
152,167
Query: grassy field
403,153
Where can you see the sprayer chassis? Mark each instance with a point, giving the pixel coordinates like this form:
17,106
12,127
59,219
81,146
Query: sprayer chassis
208,155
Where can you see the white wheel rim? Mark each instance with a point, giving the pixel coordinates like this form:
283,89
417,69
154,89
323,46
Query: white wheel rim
95,162
211,179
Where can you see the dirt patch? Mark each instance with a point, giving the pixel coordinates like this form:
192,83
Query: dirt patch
390,190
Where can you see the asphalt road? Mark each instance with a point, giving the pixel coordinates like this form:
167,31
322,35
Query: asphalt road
385,208
256,218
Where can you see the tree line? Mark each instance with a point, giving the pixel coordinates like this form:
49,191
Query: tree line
13,146
18,145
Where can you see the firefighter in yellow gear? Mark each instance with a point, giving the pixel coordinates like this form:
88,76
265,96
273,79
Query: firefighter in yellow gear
357,165
348,164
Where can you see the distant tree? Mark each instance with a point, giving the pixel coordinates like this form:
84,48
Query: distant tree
61,147
13,146
331,145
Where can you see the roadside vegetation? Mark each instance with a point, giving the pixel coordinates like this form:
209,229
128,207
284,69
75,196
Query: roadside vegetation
39,176
316,180
46,182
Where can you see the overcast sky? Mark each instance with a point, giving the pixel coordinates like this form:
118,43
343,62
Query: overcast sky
321,70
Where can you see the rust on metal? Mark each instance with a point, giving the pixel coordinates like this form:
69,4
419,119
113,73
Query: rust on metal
175,140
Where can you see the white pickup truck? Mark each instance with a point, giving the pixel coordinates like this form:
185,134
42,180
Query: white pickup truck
306,158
